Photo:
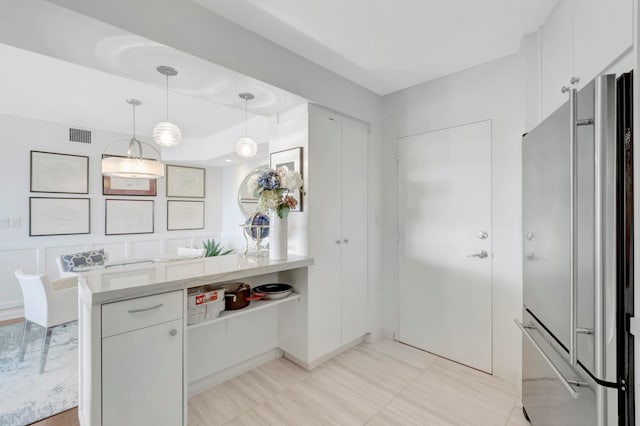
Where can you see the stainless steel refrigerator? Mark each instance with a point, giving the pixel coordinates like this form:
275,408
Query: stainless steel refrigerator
578,260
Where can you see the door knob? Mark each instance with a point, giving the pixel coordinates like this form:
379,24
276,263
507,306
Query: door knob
173,332
338,241
480,255
483,235
346,240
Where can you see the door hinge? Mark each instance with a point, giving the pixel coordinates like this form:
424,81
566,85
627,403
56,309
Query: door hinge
634,326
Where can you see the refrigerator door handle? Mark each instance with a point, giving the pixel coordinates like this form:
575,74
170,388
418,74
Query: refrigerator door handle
566,383
573,225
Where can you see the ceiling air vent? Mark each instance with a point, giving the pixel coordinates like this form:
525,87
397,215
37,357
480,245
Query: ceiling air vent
79,135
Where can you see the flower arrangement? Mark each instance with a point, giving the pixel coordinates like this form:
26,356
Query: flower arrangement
273,188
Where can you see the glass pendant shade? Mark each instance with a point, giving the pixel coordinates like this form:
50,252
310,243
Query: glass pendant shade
246,147
132,166
129,167
167,134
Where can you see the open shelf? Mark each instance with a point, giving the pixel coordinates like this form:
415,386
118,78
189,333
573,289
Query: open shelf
255,305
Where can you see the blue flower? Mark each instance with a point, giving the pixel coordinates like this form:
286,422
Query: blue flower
269,180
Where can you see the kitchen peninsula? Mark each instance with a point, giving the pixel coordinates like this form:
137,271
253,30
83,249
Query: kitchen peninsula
139,360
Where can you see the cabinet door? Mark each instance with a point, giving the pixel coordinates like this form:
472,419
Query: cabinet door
557,56
325,210
142,376
354,230
603,31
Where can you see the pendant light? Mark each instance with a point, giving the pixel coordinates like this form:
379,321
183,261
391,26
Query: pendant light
246,146
166,133
132,166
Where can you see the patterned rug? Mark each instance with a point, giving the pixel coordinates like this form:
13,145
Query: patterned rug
27,396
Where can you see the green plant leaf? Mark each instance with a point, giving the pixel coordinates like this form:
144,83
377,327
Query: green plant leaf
283,211
214,249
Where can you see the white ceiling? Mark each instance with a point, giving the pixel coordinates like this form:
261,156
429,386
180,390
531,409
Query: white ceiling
390,45
43,88
61,66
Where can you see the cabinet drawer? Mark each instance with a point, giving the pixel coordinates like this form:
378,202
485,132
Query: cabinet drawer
132,314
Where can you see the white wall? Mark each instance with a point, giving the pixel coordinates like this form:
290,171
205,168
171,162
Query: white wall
290,129
36,254
495,92
232,216
186,26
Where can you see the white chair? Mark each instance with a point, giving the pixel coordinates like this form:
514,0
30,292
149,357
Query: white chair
61,271
48,304
190,252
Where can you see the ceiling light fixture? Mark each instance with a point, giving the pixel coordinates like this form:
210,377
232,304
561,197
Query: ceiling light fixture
246,146
166,133
132,166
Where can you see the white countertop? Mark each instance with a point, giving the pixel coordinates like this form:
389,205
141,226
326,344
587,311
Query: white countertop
123,282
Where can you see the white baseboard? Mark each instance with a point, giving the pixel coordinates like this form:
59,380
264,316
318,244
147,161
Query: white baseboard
319,361
231,372
388,334
11,310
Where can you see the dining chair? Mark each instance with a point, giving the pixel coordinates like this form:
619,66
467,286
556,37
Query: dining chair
67,262
62,272
48,304
187,252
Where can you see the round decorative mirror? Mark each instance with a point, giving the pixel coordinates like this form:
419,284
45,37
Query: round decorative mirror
247,202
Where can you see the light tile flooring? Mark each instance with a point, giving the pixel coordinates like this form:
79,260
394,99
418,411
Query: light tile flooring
381,383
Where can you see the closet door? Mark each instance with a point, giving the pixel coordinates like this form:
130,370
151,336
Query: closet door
354,230
324,202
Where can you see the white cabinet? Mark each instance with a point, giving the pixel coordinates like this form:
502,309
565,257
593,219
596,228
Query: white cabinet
142,354
337,203
557,56
603,30
354,231
581,39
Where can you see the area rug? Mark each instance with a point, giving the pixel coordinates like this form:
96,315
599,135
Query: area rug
26,395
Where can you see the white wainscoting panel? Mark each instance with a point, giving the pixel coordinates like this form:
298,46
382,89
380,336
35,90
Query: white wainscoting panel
116,251
51,253
172,244
10,260
146,249
39,257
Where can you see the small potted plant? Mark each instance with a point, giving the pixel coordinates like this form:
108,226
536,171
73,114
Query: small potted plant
211,248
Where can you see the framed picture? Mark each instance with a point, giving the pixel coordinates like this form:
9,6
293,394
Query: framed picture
59,173
185,182
127,186
128,217
59,216
183,215
292,159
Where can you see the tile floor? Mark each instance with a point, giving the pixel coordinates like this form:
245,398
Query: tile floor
382,383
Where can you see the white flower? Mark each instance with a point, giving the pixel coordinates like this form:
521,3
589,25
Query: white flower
290,180
252,184
269,200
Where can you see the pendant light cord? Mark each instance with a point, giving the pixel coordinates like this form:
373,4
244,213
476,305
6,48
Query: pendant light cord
167,75
246,118
134,120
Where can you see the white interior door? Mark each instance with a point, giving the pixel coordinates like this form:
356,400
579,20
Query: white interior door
354,230
444,185
325,234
